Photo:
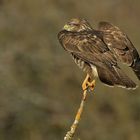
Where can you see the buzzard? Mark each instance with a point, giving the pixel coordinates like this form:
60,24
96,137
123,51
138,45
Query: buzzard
97,52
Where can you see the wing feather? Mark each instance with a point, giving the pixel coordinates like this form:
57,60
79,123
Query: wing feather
119,43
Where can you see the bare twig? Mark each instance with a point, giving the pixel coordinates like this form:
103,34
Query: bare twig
69,134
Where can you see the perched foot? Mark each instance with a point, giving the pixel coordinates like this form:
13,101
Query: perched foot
91,85
88,83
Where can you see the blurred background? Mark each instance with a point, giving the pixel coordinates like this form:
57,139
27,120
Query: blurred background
40,85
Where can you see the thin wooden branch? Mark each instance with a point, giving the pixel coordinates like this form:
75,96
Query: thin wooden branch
70,134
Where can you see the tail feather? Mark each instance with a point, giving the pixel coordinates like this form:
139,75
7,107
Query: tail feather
115,76
136,68
125,80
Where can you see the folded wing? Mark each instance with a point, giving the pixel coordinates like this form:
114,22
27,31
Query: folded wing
92,50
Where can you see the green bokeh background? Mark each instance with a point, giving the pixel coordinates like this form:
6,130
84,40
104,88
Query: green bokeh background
40,86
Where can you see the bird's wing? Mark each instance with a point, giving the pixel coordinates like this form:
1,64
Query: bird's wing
119,43
91,49
108,73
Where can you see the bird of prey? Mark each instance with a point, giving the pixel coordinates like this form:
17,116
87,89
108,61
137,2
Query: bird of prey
97,52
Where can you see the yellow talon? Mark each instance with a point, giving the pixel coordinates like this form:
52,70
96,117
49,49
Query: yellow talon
88,83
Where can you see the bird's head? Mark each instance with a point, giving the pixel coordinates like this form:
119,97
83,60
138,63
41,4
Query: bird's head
77,25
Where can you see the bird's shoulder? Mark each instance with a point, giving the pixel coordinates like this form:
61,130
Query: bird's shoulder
92,36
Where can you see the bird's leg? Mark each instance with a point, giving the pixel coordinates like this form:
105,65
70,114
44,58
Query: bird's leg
88,83
92,85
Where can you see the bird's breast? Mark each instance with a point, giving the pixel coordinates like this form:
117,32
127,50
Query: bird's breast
88,68
82,64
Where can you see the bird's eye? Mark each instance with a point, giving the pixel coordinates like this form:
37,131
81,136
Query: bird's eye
73,24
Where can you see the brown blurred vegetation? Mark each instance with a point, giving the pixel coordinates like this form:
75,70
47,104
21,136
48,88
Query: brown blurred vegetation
40,86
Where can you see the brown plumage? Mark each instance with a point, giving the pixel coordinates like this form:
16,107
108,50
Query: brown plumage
97,51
